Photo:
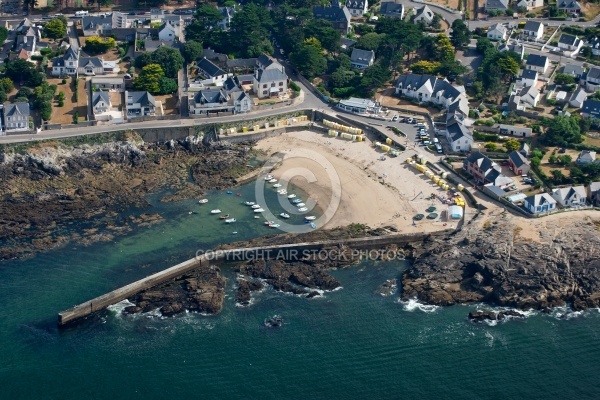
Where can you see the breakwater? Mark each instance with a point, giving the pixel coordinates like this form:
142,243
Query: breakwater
285,251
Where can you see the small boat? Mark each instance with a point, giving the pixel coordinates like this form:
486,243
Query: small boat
284,215
238,194
203,201
256,217
282,192
230,220
269,222
291,196
229,192
272,180
303,209
235,232
300,205
217,211
249,203
277,185
296,201
310,218
274,226
190,213
313,225
259,210
224,216
255,206
268,177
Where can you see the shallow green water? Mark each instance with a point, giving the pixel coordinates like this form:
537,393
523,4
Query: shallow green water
351,343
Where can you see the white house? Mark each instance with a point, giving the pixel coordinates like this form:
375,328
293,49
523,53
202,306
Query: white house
569,43
592,79
528,77
16,117
539,203
210,73
569,7
362,59
227,13
241,101
571,196
427,88
270,79
578,97
586,157
594,193
590,108
537,63
530,95
497,32
513,130
424,14
533,30
529,4
357,7
594,43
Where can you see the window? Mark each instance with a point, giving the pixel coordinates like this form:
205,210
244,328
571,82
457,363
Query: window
265,86
280,83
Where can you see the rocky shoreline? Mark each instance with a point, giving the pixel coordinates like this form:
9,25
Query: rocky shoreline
49,186
496,266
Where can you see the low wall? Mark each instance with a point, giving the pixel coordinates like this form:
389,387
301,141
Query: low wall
288,250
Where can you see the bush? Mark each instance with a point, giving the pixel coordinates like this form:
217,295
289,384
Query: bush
64,81
294,86
76,117
343,92
485,137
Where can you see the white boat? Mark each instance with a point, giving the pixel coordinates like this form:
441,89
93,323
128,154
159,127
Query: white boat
274,226
203,201
230,220
256,217
217,211
282,192
235,232
303,209
259,210
255,206
310,218
269,222
296,201
268,177
272,180
300,205
313,225
277,185
249,203
291,196
284,215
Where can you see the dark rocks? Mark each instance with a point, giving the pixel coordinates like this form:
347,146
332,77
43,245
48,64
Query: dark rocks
274,322
388,288
481,316
494,266
201,290
243,293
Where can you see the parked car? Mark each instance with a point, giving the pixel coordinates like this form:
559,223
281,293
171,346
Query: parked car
426,142
528,180
410,121
395,118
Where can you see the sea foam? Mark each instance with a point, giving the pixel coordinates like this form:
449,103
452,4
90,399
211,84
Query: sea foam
414,304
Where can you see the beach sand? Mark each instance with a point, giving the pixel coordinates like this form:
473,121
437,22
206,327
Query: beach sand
372,192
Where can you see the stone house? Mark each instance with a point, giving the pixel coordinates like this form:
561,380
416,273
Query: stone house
270,79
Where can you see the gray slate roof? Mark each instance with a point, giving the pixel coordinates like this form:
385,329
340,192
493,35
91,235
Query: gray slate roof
529,74
540,199
241,63
209,68
20,108
333,14
355,4
270,75
569,5
532,26
210,96
593,73
536,60
518,159
573,70
391,9
144,98
496,4
91,22
414,81
94,61
362,56
591,107
567,39
100,96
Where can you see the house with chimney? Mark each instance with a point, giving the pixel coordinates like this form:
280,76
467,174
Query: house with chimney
270,79
337,14
357,7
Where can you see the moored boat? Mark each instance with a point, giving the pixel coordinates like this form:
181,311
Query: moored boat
291,196
295,201
272,180
230,220
282,192
310,218
303,209
277,185
249,203
203,201
284,215
255,206
257,210
313,225
300,205
274,226
269,223
268,177
217,211
224,216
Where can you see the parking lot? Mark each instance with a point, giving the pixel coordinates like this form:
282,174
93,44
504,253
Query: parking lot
411,130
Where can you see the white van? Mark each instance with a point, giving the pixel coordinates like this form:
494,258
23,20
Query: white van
438,147
82,13
420,125
436,140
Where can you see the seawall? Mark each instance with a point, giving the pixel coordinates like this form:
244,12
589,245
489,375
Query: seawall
232,255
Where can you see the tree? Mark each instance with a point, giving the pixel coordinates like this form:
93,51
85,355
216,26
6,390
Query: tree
208,16
436,22
557,176
341,78
483,44
149,78
55,29
7,85
324,31
509,68
3,34
563,131
425,67
491,146
512,145
565,159
169,59
3,96
98,45
20,70
167,85
370,41
309,61
564,79
314,42
586,51
460,36
191,51
444,49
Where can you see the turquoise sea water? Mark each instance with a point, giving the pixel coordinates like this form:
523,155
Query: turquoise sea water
351,343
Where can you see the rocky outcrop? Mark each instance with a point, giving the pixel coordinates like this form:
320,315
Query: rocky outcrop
49,186
494,265
388,288
297,278
243,293
201,290
481,316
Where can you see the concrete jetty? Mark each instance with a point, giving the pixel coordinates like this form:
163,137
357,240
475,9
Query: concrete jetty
285,251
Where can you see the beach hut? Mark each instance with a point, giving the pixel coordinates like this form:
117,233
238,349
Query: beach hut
388,141
359,138
441,182
385,148
460,187
245,129
346,136
444,175
455,212
435,178
409,160
422,159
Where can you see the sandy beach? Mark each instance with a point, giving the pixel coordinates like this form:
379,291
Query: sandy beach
371,191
